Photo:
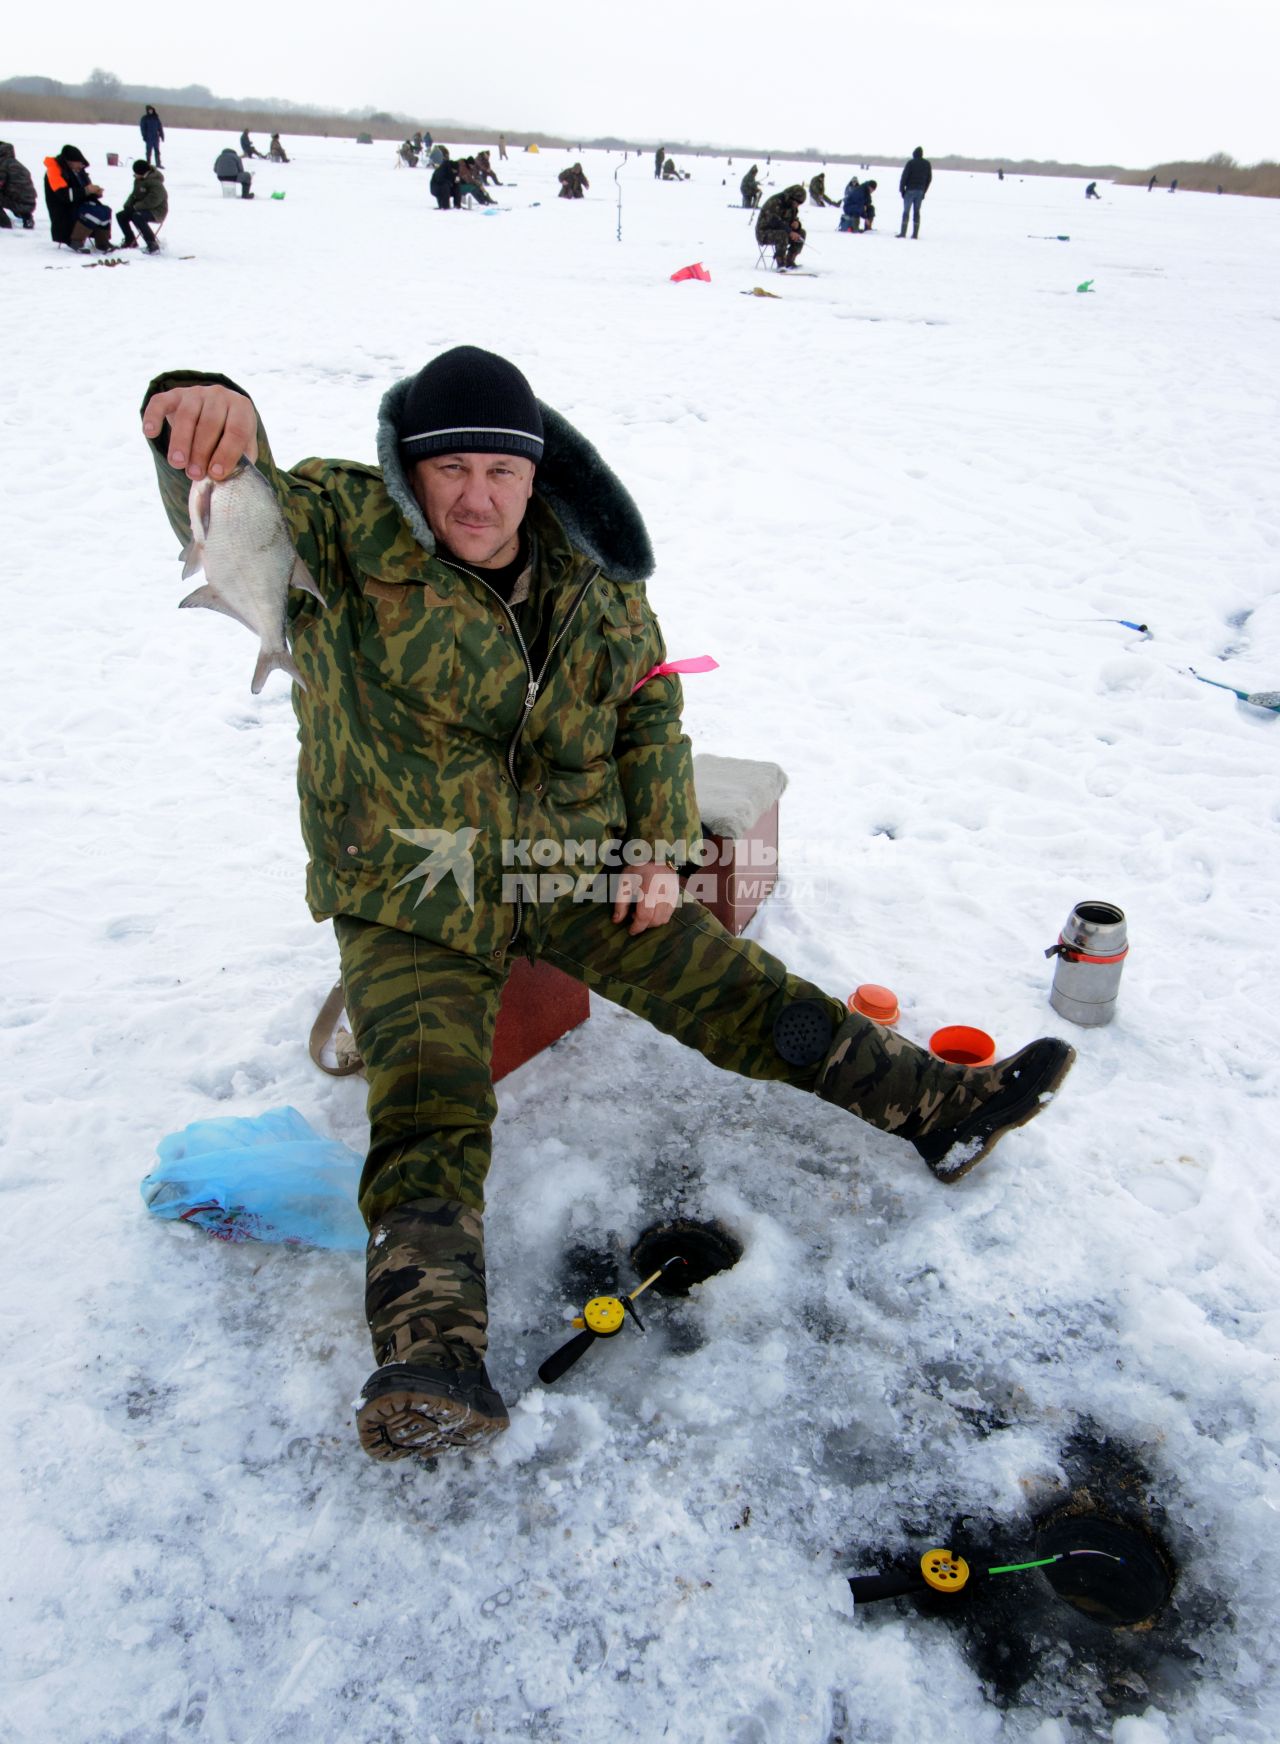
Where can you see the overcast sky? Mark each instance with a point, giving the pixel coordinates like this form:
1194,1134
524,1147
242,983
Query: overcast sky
1120,81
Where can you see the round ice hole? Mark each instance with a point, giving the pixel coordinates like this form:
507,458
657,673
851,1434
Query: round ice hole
1112,1570
705,1249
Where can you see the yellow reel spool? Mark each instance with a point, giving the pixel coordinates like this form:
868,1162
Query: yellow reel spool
943,1571
604,1315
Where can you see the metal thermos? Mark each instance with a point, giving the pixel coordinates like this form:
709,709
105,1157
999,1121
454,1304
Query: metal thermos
1091,954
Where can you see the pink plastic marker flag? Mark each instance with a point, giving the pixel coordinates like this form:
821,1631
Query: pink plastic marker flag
696,271
694,663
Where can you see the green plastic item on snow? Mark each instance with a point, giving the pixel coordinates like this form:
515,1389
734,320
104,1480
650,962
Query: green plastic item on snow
278,195
1086,286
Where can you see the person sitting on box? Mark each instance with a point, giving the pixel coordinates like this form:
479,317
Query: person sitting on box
74,203
228,168
487,681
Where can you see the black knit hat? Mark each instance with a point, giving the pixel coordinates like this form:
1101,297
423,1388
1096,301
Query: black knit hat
468,401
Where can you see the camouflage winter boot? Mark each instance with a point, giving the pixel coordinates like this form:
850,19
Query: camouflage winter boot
428,1315
953,1115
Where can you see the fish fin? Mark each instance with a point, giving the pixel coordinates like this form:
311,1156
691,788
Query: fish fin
192,560
209,597
300,577
275,660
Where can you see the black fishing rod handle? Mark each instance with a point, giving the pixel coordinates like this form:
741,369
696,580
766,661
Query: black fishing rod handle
562,1360
893,1584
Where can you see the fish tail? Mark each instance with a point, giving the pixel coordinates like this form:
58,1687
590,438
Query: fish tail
275,660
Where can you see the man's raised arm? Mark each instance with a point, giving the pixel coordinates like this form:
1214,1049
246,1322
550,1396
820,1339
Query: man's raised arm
211,427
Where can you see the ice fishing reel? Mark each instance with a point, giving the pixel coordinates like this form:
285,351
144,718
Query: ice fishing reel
602,1317
1111,1570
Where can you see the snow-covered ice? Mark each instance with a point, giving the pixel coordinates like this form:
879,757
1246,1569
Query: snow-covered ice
902,505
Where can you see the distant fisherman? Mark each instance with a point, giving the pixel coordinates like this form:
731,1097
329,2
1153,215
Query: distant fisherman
913,185
147,207
152,130
17,190
779,227
818,190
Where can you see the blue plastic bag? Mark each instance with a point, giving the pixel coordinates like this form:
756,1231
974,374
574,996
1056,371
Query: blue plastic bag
269,1178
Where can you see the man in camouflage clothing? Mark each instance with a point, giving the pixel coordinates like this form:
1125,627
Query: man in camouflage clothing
818,190
779,227
750,186
17,190
485,671
572,182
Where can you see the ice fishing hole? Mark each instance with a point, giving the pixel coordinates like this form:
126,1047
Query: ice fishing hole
705,1248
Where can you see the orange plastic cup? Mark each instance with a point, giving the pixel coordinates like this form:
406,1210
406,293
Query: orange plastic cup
961,1045
880,1004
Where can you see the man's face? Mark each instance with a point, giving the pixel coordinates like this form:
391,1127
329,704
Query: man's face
474,503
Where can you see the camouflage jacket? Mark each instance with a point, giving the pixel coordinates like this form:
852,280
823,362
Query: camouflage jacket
779,213
422,713
17,190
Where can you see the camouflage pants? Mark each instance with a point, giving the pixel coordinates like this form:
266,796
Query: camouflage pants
423,1018
785,251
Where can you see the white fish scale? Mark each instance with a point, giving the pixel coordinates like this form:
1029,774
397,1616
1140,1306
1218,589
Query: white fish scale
240,539
248,554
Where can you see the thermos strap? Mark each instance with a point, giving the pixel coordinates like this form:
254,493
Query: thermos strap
1072,955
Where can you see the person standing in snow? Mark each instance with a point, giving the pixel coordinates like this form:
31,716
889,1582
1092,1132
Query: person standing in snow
913,185
151,128
502,148
658,158
147,206
1151,184
488,672
17,190
779,227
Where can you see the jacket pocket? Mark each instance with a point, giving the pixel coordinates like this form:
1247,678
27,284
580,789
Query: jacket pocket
409,643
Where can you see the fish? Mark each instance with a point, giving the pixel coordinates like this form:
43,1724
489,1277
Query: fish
240,540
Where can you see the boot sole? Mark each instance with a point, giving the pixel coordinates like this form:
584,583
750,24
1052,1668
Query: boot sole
1018,1115
423,1419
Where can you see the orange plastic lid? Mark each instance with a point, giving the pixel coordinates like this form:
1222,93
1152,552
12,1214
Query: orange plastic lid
962,1045
880,1004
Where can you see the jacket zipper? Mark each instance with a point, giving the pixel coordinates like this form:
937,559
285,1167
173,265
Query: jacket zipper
534,685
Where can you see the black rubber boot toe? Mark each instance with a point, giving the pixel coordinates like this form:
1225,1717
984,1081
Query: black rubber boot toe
416,1408
1026,1079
